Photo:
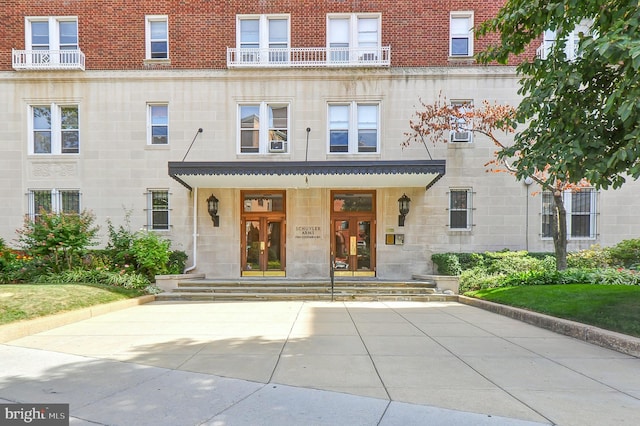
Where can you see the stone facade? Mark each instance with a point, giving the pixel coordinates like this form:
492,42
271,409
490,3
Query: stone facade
116,166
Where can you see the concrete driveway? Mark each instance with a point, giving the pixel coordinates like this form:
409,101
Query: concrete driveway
370,363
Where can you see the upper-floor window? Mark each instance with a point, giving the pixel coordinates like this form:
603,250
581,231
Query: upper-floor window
460,209
581,213
570,44
157,124
461,34
158,209
263,127
263,38
52,33
51,42
353,127
461,124
53,201
354,37
157,37
54,129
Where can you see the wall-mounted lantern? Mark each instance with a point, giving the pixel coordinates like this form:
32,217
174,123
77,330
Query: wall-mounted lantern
212,208
403,207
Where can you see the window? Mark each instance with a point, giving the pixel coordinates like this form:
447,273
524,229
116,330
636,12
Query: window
158,124
462,125
50,35
157,37
269,134
53,201
269,32
158,209
461,34
571,44
54,129
353,38
460,209
581,213
353,128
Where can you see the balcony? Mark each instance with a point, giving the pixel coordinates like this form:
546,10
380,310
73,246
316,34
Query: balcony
48,59
309,57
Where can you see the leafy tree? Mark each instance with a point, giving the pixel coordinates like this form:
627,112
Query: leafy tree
58,239
436,121
582,113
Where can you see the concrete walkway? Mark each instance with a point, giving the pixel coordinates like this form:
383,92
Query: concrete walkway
319,363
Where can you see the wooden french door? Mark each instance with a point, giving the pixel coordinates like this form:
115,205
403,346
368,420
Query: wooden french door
353,221
263,234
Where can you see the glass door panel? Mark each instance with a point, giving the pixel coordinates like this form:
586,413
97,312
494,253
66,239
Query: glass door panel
341,245
274,254
363,246
253,246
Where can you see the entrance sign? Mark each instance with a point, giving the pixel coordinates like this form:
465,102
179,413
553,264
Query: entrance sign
307,232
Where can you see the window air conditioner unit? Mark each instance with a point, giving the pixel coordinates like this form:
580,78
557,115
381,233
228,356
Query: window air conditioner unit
278,146
460,136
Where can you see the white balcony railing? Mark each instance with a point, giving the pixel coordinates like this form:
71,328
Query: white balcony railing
48,60
297,57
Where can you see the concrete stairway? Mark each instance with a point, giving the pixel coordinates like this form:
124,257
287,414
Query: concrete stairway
252,289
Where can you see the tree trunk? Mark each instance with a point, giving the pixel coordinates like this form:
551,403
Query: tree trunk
560,231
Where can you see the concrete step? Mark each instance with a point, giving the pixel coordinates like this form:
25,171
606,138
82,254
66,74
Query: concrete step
338,296
302,290
249,283
264,288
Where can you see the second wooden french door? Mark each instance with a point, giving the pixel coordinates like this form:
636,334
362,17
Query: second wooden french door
263,234
353,245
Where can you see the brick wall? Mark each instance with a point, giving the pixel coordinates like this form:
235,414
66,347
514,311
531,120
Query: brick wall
112,32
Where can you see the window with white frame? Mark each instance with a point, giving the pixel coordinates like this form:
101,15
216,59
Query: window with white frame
158,209
353,37
157,37
257,33
54,129
353,127
581,213
461,125
158,124
460,209
263,127
53,201
461,34
52,34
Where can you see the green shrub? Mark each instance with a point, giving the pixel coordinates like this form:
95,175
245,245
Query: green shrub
447,263
151,254
594,257
59,240
96,276
626,254
177,262
470,260
477,279
144,252
509,262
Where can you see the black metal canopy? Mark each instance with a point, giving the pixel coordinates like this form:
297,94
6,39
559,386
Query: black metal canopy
307,174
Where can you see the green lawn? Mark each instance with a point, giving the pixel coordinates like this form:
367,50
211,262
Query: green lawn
26,301
612,307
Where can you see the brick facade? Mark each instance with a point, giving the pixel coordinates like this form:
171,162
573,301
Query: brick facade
112,33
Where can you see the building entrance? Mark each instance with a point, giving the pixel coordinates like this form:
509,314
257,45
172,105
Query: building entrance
263,234
353,246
